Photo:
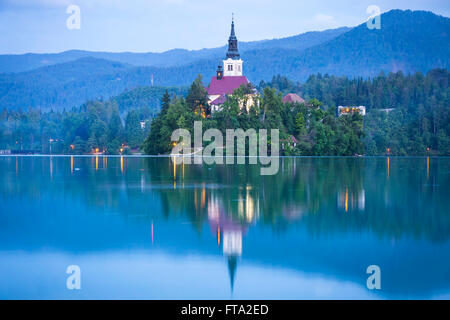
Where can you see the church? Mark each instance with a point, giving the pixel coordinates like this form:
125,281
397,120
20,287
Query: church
229,78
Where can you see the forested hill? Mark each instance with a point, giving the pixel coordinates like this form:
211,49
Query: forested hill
409,41
70,84
145,97
176,57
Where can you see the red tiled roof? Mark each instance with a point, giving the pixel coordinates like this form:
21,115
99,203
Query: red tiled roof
219,101
292,97
226,85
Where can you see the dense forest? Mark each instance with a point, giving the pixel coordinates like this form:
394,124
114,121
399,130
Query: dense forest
94,127
406,115
121,122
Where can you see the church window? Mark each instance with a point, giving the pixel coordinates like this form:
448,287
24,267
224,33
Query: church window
230,67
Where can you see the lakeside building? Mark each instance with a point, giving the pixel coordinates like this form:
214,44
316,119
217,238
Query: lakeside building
351,109
229,77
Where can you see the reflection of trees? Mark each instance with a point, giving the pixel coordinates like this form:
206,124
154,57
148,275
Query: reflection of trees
328,195
324,194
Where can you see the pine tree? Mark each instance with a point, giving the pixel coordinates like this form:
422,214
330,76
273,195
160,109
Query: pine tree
197,98
165,102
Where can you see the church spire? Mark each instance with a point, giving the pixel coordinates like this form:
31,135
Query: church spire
232,52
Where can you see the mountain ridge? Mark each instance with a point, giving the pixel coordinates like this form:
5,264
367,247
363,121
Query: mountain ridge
410,41
14,63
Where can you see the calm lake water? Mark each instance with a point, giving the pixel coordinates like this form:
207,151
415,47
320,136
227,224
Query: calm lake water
142,228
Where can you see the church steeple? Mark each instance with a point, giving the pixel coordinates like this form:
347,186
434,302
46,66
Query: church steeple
232,52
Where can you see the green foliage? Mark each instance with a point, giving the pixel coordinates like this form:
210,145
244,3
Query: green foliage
197,97
178,114
147,97
133,130
95,125
319,131
406,113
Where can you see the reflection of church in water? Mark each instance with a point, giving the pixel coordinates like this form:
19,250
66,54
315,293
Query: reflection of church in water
229,228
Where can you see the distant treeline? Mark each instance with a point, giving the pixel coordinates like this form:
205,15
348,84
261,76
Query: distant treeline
94,127
119,123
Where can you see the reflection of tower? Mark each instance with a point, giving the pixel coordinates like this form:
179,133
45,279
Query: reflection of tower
232,265
231,230
248,208
232,242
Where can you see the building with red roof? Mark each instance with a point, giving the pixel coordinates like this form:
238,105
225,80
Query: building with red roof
293,98
229,77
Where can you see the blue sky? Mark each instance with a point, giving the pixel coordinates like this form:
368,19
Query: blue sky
159,25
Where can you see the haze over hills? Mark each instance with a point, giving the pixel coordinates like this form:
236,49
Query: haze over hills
410,41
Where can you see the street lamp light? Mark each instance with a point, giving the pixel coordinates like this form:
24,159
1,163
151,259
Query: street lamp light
50,144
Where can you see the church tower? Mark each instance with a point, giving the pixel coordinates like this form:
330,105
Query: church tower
232,66
229,77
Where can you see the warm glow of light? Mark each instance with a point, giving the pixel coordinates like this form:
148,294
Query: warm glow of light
218,236
174,169
388,166
96,163
249,206
195,200
428,167
72,146
202,205
121,164
346,199
71,164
